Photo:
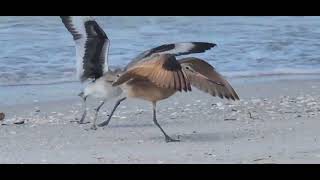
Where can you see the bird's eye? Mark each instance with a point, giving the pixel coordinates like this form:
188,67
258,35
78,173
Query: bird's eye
187,68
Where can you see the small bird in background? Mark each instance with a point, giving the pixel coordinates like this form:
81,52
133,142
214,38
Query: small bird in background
2,116
92,49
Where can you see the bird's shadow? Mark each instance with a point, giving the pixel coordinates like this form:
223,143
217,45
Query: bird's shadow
139,125
216,136
205,137
130,125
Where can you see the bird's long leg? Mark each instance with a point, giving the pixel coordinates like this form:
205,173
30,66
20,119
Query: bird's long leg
105,123
84,112
168,138
94,127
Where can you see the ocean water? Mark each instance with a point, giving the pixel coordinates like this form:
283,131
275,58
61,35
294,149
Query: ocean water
39,50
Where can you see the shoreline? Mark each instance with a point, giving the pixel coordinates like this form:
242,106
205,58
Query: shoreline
26,94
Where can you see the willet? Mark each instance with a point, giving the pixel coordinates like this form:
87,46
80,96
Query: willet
160,76
92,48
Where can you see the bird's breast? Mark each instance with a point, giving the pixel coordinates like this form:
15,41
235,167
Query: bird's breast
102,89
146,90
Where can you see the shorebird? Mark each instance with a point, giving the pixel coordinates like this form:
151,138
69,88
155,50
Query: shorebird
92,48
160,76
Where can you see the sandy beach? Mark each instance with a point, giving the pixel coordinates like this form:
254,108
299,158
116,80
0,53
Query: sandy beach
272,63
276,121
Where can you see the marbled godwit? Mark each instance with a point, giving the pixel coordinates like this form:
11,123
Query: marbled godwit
160,76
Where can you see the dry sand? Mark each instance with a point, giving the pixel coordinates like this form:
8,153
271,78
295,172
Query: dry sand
275,122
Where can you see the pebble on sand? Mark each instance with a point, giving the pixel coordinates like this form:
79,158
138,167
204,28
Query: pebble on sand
19,122
219,104
2,116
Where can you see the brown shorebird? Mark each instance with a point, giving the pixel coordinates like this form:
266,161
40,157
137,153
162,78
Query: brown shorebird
92,49
161,75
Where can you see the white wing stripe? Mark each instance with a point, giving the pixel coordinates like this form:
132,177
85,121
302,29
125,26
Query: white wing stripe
88,49
180,48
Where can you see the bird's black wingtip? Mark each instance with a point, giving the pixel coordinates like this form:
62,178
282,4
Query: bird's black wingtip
211,45
63,18
204,45
200,47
